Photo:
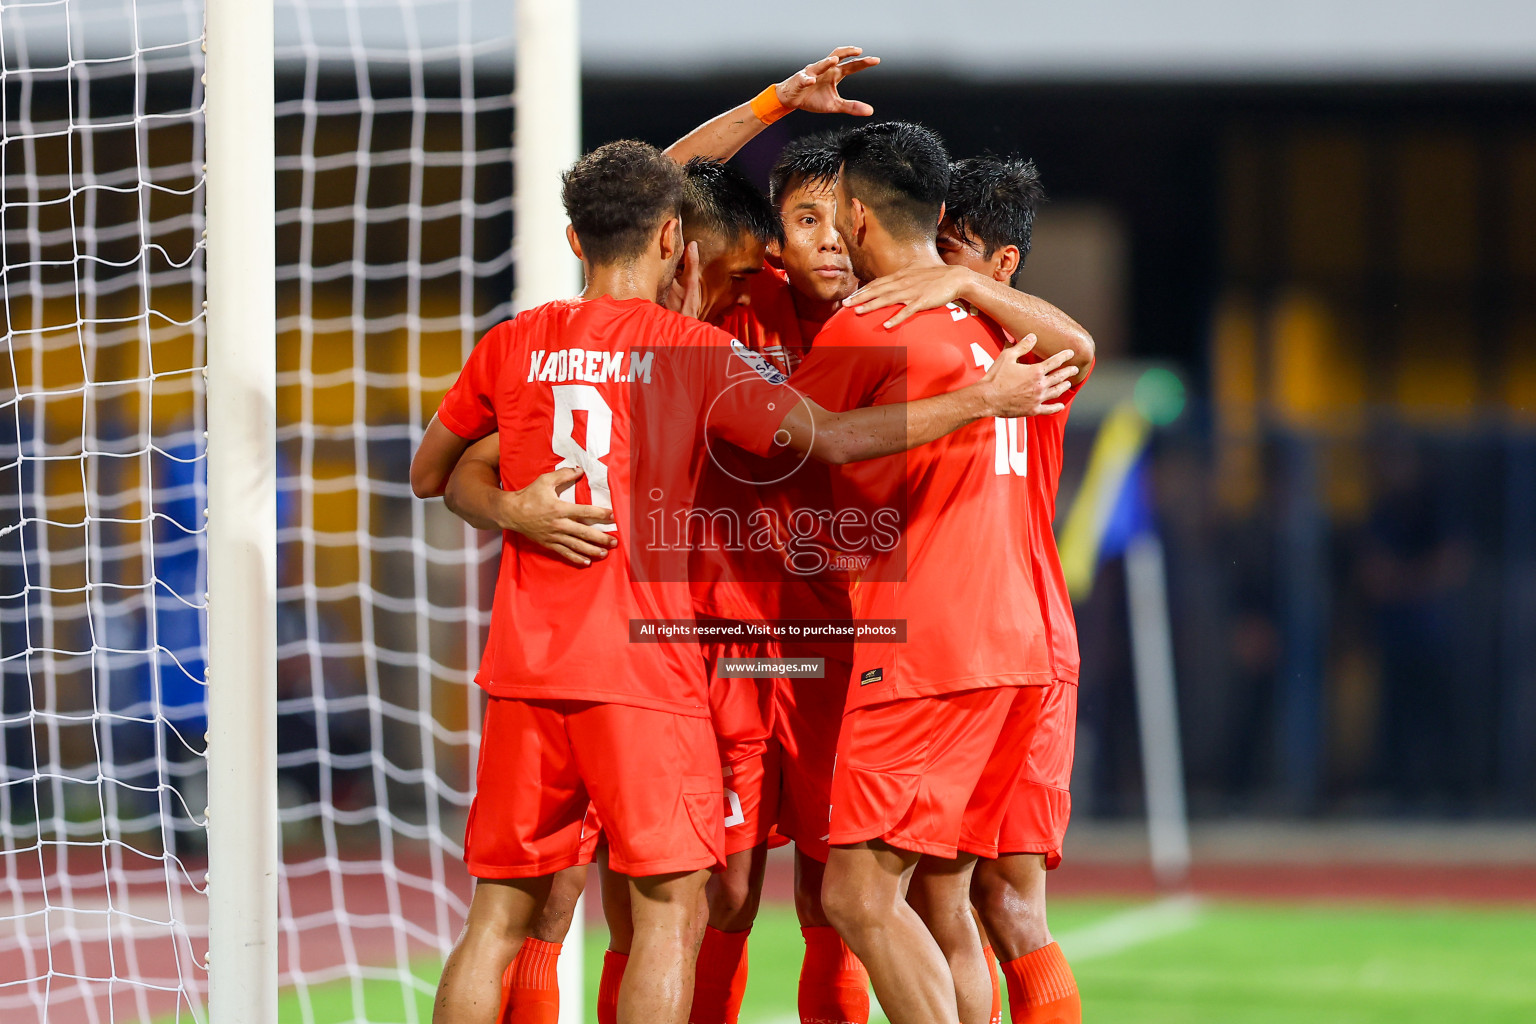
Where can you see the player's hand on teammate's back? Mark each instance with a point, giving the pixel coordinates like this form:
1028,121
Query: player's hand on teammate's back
567,529
915,288
814,87
1016,388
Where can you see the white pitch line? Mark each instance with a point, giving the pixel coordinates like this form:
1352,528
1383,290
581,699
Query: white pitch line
1130,928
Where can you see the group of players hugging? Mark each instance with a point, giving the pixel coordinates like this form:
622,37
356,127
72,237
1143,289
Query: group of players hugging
846,354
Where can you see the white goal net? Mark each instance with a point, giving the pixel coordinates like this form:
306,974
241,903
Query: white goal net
394,179
102,712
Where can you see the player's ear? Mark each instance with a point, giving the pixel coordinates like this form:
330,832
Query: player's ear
941,215
573,241
669,239
1008,260
860,216
775,249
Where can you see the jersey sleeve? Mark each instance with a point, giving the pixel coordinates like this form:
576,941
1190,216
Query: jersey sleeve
1076,387
753,396
469,407
849,366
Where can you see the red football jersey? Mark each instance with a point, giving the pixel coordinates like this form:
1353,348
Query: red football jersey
771,324
1045,456
630,392
781,565
954,569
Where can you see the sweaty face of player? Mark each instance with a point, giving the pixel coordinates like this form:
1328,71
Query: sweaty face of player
814,257
728,267
960,250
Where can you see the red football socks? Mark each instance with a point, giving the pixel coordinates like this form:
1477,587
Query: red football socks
1041,989
997,988
608,986
530,993
720,977
834,986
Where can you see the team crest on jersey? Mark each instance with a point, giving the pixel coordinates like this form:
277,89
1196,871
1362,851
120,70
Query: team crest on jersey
766,370
874,675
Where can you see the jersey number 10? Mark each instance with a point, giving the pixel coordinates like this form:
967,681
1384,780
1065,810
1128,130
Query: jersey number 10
1011,457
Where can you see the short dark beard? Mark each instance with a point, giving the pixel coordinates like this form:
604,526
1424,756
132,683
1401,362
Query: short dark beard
862,272
665,287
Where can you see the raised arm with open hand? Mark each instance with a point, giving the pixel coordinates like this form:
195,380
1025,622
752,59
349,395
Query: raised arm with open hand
813,88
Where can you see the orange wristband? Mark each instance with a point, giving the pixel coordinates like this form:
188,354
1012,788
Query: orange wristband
767,107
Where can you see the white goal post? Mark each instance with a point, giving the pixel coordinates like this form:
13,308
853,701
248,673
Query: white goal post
242,516
242,446
547,141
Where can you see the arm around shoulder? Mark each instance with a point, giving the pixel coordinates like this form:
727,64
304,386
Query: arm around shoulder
1021,314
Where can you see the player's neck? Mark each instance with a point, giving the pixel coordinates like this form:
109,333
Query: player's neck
635,280
812,309
897,255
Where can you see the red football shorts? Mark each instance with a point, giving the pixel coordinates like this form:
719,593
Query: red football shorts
751,800
1036,819
742,713
932,774
651,777
808,715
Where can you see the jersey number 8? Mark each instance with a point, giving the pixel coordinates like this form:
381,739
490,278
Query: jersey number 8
568,399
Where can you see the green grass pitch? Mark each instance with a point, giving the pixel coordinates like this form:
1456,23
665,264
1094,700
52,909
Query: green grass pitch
1216,962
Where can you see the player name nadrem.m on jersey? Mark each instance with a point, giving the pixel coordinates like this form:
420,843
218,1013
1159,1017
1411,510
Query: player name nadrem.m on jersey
590,365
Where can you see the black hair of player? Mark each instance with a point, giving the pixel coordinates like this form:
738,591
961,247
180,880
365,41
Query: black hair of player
992,202
808,160
719,198
617,195
900,171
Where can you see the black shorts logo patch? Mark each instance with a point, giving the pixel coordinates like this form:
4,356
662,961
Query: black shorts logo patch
872,676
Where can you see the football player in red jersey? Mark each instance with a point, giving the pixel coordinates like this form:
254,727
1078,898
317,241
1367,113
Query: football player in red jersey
787,312
728,225
984,239
577,383
930,742
744,583
813,274
782,312
725,216
731,224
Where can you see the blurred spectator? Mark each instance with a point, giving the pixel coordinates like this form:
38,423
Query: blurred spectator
1414,564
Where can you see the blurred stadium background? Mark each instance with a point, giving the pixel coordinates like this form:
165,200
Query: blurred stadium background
1318,217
